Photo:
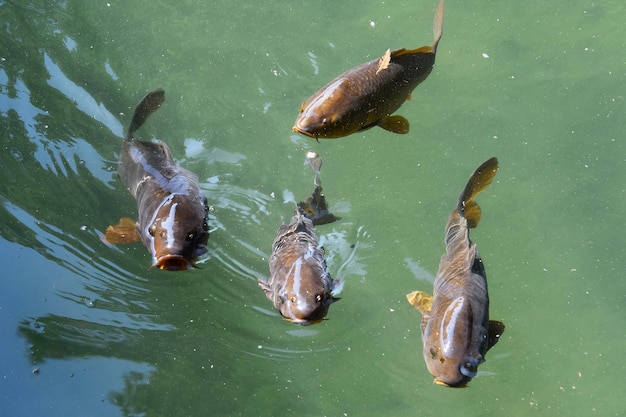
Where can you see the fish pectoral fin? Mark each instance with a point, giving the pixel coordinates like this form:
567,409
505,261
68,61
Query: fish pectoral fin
422,301
496,328
125,231
396,124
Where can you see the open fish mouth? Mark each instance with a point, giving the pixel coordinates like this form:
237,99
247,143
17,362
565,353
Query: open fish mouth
173,263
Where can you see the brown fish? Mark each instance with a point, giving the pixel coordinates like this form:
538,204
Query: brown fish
367,95
456,330
172,221
300,286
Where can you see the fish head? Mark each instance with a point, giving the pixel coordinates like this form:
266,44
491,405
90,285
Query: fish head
306,294
178,233
453,345
330,113
307,307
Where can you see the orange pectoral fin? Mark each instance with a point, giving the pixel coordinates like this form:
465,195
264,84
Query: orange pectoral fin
395,124
420,300
125,231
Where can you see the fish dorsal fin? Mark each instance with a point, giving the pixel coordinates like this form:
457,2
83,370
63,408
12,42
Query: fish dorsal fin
422,301
383,62
396,124
402,51
438,25
472,213
148,105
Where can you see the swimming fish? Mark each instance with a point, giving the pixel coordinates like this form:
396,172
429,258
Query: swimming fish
299,285
367,95
172,221
456,330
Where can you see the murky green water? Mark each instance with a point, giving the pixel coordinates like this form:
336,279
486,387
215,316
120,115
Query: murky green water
88,329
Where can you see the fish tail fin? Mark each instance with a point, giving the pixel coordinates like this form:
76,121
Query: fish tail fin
315,207
315,162
438,24
148,105
480,180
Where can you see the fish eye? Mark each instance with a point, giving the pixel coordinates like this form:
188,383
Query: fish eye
318,298
433,353
190,236
151,230
292,299
205,226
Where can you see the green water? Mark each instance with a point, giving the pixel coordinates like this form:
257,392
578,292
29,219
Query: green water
89,330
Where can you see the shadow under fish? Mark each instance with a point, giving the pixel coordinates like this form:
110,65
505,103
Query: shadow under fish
367,95
456,330
172,211
300,286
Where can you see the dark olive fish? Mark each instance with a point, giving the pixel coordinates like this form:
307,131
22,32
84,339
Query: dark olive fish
299,285
172,221
367,95
456,330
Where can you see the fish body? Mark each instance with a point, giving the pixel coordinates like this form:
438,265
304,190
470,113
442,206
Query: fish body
367,95
300,286
456,330
172,211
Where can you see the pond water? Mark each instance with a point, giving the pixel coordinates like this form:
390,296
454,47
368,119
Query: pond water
89,329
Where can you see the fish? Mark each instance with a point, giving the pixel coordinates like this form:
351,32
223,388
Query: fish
300,286
456,330
172,211
367,95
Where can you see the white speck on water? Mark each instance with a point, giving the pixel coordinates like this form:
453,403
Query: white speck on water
372,23
485,55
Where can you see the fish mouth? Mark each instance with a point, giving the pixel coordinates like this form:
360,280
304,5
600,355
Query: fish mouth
173,263
305,322
461,384
298,129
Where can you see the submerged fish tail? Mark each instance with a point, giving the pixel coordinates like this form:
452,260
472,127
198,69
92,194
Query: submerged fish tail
315,162
480,180
315,207
148,105
438,25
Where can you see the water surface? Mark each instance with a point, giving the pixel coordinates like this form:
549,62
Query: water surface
88,329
